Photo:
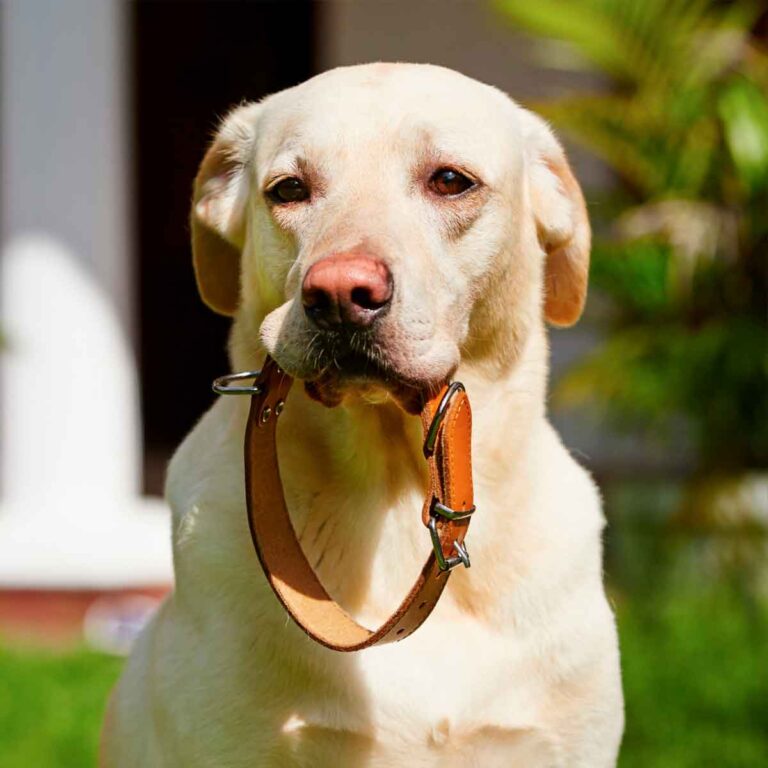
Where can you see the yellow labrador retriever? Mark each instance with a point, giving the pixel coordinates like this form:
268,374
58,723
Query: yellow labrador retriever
379,230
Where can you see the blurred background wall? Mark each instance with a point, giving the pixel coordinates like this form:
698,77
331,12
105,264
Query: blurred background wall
222,53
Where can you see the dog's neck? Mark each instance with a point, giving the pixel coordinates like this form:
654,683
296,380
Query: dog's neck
355,478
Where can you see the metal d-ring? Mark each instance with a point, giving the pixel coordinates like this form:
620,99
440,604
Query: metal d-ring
221,386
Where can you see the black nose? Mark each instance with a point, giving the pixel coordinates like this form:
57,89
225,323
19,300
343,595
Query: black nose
346,288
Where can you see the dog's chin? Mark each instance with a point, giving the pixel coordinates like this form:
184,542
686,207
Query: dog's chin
359,377
331,389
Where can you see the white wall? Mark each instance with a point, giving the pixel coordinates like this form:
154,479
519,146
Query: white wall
70,512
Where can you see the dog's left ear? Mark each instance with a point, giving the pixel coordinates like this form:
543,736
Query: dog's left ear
562,222
217,218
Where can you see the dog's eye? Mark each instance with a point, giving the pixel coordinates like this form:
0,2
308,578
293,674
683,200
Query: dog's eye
290,190
447,182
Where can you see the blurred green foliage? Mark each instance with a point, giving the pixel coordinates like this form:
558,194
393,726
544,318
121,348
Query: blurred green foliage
683,264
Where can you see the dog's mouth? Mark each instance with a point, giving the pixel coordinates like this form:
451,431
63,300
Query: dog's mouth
360,373
357,365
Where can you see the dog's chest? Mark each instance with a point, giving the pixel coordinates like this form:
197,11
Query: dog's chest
432,695
456,690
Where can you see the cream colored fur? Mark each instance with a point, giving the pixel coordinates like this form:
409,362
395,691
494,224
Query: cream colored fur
518,665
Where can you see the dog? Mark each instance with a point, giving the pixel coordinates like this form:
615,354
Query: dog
379,230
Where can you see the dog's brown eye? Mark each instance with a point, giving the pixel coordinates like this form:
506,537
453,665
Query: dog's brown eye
449,183
291,190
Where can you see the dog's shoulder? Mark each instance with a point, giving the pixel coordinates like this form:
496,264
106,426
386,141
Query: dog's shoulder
205,489
566,485
559,532
208,462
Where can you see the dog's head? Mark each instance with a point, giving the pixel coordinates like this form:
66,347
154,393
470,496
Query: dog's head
376,225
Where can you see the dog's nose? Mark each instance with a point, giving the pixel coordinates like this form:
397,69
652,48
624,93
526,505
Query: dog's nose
346,289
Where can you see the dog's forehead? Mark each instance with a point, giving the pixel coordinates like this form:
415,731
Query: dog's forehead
395,105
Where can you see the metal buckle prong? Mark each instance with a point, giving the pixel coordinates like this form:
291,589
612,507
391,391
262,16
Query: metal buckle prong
221,386
446,563
437,419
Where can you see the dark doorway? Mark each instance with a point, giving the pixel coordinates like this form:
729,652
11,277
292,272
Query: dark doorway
192,61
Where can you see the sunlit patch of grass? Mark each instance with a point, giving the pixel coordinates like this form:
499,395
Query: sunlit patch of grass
51,706
695,679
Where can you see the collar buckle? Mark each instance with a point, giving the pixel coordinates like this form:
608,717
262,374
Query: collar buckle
438,509
447,563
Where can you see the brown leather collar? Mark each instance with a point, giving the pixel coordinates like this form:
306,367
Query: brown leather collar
447,424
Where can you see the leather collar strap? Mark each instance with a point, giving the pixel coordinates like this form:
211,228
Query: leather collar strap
447,423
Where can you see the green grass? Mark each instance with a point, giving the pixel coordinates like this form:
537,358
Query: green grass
696,682
51,707
695,678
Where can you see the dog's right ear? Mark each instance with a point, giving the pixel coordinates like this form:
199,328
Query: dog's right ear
219,202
